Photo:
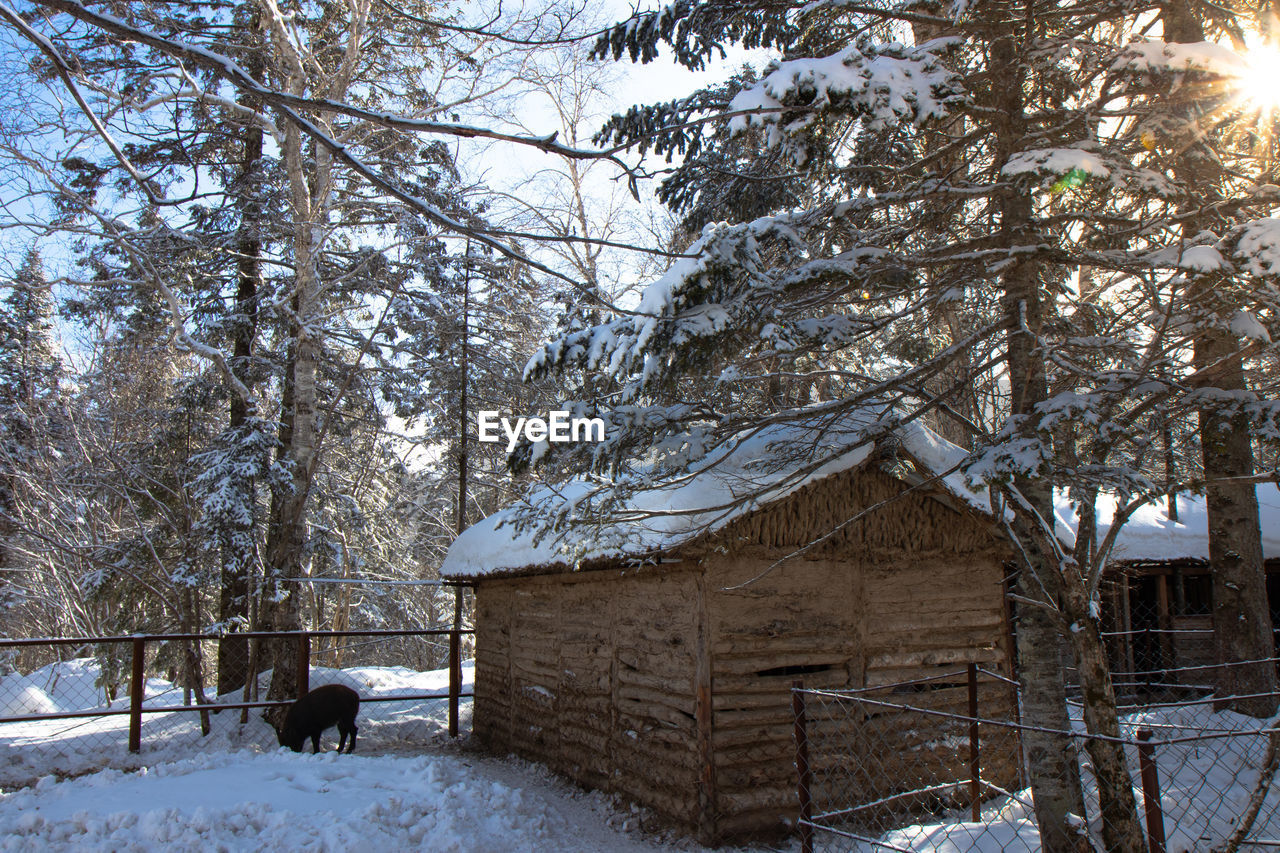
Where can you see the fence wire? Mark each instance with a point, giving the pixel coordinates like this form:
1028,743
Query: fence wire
67,706
938,764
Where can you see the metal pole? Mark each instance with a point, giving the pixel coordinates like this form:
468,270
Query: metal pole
455,640
137,687
1151,792
975,755
803,777
304,664
464,356
455,661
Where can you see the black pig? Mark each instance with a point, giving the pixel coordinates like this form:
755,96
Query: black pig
317,711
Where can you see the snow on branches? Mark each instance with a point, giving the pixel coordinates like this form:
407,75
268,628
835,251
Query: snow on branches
1255,246
881,84
1162,57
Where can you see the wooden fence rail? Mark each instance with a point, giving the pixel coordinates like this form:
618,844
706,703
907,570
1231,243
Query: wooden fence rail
137,676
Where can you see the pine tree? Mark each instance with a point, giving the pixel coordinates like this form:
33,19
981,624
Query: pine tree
1242,631
29,374
1005,163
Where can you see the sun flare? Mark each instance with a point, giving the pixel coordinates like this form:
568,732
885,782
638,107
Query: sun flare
1260,85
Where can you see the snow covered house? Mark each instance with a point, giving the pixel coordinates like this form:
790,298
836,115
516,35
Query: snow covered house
1159,593
653,657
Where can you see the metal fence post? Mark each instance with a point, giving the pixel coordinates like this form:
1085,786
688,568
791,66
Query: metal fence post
1151,792
137,688
975,755
803,777
455,661
304,664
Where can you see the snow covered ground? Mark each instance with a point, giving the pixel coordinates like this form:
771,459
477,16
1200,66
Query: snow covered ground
77,746
407,787
410,787
1206,780
282,801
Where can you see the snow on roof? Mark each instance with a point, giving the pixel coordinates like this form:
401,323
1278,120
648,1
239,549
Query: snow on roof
772,463
1149,535
734,479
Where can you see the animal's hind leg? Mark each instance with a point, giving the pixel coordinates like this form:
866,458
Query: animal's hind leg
315,744
352,744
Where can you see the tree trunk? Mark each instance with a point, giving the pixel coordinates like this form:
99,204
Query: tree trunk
1121,829
1051,759
1052,763
287,540
237,561
192,662
287,537
465,381
1242,629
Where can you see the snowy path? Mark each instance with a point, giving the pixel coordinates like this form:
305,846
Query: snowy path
407,787
283,801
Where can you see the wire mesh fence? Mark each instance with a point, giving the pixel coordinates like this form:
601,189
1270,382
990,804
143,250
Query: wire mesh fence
1158,627
73,705
938,764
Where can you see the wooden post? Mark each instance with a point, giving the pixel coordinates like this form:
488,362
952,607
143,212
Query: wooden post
1126,625
1168,658
1011,637
137,688
803,778
304,664
1151,792
455,661
975,755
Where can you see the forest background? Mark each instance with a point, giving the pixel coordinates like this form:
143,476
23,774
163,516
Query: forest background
264,260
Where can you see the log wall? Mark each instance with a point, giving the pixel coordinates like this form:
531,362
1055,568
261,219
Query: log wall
910,591
671,687
805,619
595,674
1193,647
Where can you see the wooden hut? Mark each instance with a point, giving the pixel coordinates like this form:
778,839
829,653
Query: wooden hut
653,656
1158,603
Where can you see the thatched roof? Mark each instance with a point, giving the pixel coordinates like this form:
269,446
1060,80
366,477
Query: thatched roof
761,467
749,472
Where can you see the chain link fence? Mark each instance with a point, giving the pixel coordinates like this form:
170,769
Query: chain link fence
1158,627
73,705
937,764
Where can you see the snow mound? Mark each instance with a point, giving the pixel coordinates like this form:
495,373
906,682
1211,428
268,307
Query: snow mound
73,685
282,801
28,700
279,800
